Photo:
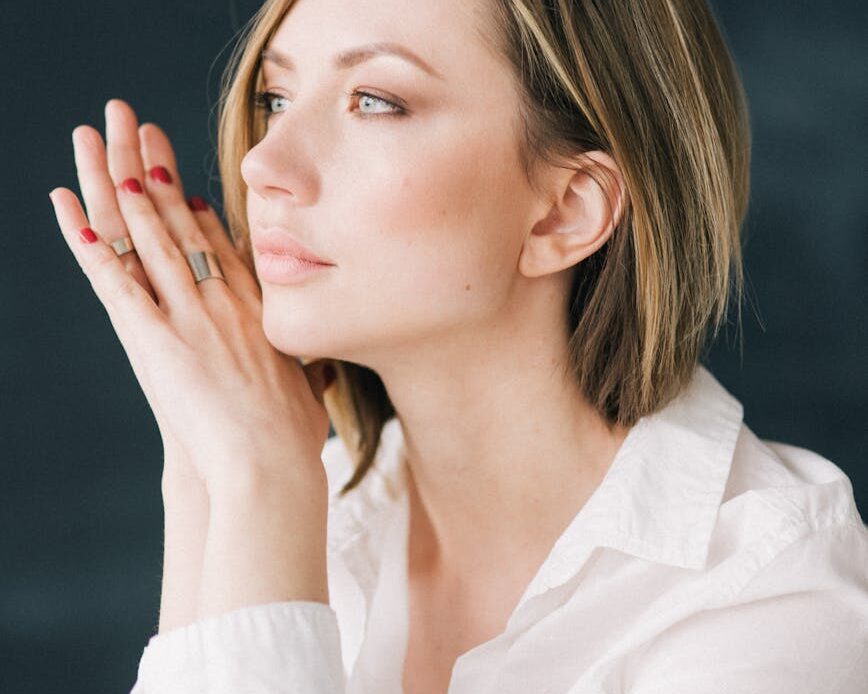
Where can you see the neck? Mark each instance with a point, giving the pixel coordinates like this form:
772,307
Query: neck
502,448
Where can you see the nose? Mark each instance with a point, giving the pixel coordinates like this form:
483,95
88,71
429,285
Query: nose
260,167
274,166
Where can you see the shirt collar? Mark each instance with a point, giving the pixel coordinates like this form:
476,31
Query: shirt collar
658,501
358,522
661,496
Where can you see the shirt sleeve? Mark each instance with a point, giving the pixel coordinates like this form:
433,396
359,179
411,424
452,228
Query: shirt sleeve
799,627
261,649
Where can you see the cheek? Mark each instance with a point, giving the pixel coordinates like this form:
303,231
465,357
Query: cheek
426,239
449,226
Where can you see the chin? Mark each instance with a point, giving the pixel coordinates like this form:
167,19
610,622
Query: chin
297,341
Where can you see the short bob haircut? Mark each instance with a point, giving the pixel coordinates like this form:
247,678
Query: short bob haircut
652,84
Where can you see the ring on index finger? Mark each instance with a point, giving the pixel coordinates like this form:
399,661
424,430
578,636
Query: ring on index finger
123,245
203,264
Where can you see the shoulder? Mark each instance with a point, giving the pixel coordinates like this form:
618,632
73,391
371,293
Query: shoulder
778,486
789,520
783,505
785,605
788,569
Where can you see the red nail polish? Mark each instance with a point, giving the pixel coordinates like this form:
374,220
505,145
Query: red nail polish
132,185
161,174
197,204
86,234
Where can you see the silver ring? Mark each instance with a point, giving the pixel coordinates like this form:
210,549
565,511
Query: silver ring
205,264
124,245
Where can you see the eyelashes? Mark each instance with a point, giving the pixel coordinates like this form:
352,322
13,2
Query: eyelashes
263,102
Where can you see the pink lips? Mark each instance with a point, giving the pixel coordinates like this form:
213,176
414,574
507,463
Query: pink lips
276,241
280,259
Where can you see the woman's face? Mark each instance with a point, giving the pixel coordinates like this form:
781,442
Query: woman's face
423,215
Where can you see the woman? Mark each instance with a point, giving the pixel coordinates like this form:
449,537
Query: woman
489,240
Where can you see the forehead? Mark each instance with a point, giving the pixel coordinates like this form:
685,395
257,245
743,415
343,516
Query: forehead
445,33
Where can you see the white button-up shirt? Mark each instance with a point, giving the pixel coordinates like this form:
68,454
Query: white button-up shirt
707,561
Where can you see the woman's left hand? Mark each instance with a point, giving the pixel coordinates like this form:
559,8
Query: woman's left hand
231,401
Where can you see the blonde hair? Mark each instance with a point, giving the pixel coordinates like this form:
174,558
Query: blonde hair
652,84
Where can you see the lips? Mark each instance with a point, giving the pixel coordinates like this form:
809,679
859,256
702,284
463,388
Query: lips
276,241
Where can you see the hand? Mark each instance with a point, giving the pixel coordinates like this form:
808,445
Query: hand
219,390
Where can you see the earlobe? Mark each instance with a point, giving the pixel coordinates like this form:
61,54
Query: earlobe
589,205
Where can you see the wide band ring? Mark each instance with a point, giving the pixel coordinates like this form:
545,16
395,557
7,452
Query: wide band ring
205,264
124,245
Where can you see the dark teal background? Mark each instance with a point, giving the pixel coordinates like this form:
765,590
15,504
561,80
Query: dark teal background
81,511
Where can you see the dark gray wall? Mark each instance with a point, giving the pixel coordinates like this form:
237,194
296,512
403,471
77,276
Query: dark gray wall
81,508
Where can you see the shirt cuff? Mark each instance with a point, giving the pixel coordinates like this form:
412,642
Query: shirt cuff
260,649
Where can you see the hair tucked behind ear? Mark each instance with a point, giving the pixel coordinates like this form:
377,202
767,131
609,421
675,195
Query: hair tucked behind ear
652,84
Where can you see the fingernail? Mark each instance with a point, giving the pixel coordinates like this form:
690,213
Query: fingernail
161,174
86,234
197,204
132,185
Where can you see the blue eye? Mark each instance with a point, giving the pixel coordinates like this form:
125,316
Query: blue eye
264,100
394,109
267,101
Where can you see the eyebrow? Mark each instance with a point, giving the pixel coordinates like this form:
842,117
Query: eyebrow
354,56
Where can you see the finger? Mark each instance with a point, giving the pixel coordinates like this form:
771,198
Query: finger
98,192
184,223
243,276
164,263
138,321
122,139
157,150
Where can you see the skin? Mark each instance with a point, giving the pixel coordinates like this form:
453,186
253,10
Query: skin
450,282
245,501
451,274
450,279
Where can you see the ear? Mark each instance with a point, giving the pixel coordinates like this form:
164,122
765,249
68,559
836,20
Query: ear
588,204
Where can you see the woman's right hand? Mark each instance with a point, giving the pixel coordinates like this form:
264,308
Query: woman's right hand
184,494
128,150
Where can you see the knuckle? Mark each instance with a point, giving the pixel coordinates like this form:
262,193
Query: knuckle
122,291
134,203
226,311
194,238
231,307
101,263
183,227
165,194
138,208
168,252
